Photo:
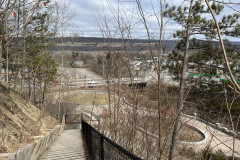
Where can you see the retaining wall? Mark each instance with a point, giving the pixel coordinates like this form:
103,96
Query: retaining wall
34,150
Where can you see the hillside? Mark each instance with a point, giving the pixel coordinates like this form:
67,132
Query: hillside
20,121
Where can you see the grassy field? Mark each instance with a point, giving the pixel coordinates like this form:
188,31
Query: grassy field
88,98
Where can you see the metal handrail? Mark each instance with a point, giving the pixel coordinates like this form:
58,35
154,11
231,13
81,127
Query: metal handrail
101,147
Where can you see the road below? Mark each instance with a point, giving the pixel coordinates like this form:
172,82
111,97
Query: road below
217,139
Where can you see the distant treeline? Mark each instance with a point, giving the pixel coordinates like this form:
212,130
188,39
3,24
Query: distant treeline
133,44
103,40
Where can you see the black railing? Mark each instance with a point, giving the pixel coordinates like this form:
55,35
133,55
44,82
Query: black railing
73,118
77,118
102,148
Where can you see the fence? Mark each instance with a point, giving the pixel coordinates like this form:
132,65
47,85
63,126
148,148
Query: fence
73,118
102,148
87,117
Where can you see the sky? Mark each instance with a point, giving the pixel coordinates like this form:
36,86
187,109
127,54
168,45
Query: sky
92,17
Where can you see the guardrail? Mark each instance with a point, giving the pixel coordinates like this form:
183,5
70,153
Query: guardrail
100,147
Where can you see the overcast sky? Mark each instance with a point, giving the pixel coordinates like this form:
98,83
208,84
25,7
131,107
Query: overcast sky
90,13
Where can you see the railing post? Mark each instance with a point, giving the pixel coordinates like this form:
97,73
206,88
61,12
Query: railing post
65,118
101,148
81,117
96,142
81,121
99,125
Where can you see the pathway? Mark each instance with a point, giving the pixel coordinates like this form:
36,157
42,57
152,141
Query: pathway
218,139
68,146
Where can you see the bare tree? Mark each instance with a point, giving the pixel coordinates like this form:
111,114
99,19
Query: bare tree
236,87
233,81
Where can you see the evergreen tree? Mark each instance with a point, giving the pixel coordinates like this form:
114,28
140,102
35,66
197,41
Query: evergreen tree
41,67
203,53
205,59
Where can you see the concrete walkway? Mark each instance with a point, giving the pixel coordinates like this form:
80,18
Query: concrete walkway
68,146
217,139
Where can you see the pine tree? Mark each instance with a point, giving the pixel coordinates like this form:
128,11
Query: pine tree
41,67
201,52
205,58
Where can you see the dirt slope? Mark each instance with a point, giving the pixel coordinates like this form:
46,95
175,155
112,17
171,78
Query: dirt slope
19,121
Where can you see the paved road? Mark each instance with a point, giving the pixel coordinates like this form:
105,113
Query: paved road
68,146
81,77
85,73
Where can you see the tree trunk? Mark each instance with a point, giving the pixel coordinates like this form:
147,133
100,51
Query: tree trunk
34,88
223,48
24,47
159,94
0,59
181,92
29,88
44,90
118,101
1,47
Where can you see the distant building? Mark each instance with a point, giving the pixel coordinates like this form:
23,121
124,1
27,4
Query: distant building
78,64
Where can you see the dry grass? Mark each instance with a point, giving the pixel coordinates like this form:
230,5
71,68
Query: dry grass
20,121
146,122
89,98
189,134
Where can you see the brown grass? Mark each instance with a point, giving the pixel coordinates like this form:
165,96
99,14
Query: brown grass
20,121
89,98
